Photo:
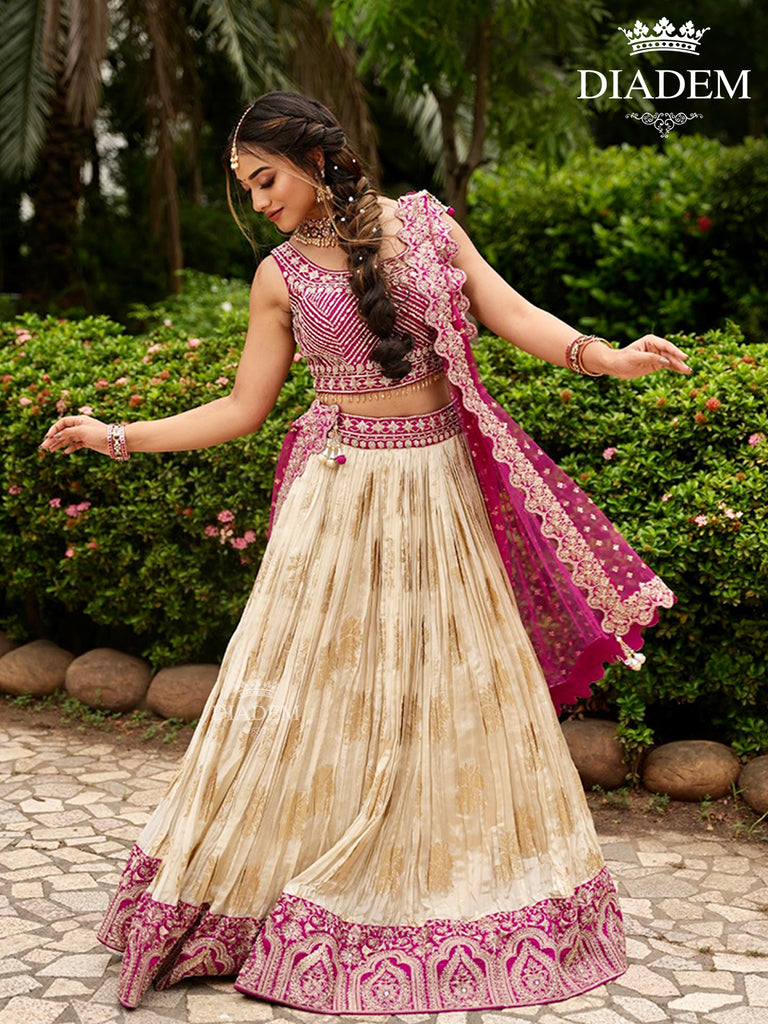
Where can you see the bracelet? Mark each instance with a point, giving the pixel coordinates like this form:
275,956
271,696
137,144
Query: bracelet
574,353
116,446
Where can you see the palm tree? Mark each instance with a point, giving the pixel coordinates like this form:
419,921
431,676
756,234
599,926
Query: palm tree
51,56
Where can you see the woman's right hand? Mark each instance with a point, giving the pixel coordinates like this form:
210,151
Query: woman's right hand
71,433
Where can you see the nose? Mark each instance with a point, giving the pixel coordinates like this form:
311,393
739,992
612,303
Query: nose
260,203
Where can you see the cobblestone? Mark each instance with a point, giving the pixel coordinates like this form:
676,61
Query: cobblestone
695,910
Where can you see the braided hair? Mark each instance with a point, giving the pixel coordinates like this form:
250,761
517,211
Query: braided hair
291,126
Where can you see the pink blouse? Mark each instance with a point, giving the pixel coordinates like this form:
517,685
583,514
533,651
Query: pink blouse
333,337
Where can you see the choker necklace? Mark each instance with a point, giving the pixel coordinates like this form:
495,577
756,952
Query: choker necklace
316,232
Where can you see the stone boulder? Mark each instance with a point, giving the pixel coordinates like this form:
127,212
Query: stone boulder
108,680
753,783
6,644
181,692
596,751
691,770
38,668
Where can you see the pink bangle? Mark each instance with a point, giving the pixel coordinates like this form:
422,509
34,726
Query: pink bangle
574,354
116,446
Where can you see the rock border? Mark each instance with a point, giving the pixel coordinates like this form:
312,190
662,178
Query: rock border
110,680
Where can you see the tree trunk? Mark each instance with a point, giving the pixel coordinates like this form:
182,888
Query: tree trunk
56,190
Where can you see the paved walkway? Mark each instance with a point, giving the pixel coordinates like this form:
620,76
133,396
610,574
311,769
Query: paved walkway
696,910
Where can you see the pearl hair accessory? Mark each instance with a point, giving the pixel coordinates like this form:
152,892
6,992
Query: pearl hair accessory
234,159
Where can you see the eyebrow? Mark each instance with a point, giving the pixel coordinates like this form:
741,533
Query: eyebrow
258,171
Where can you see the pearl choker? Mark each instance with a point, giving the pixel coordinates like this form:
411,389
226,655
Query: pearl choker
316,232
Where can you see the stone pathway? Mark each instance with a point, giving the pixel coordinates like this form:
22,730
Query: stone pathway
696,910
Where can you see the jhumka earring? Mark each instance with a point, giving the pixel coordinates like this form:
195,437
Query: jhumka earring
323,193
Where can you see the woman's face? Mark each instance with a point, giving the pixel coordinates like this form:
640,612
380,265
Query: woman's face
278,189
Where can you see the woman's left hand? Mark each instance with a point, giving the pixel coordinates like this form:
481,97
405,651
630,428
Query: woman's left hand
646,355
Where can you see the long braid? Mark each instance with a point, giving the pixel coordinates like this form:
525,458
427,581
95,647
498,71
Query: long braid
292,126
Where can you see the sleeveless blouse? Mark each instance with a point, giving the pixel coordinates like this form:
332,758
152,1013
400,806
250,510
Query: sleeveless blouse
334,338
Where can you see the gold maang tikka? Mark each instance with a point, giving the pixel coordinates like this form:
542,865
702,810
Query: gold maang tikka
234,159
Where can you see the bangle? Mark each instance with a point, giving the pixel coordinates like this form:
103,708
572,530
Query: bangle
116,446
574,354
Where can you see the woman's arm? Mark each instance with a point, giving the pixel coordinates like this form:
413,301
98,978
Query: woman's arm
264,364
505,312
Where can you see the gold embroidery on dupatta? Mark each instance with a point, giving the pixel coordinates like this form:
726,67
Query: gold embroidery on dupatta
455,651
490,707
323,790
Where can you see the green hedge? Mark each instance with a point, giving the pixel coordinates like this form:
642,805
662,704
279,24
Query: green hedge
142,552
135,564
627,241
680,465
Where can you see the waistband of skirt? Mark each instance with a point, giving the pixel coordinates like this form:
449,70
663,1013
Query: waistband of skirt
397,431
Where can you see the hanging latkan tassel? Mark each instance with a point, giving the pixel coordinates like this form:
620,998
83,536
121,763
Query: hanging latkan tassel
632,659
331,455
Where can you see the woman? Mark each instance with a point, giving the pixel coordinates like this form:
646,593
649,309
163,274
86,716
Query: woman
378,812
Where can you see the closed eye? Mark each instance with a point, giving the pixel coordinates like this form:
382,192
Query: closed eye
267,183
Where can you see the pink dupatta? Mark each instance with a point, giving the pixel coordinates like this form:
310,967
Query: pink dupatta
582,592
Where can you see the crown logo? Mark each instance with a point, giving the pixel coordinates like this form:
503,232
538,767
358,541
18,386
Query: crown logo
686,39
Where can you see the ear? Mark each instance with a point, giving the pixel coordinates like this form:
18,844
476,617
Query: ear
316,157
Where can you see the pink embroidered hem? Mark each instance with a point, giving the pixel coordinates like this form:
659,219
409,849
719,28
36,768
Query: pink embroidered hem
307,957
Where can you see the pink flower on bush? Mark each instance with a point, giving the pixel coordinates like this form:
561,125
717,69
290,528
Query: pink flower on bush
713,404
211,531
704,224
608,453
121,381
250,536
239,543
146,359
666,497
69,553
25,400
86,410
15,489
700,520
153,349
225,516
55,502
755,439
135,400
101,384
222,380
73,511
92,545
194,342
297,357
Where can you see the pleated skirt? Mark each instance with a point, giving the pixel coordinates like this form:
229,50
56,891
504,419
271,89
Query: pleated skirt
378,812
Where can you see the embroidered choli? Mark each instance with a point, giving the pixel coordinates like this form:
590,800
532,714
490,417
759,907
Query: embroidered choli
336,341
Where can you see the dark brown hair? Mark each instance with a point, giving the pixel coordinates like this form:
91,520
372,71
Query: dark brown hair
295,128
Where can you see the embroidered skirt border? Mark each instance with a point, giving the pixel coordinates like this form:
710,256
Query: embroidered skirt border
306,957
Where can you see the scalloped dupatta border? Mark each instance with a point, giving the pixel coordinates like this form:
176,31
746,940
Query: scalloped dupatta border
581,590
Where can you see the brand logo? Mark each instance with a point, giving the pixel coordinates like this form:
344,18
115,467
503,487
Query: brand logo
665,37
664,83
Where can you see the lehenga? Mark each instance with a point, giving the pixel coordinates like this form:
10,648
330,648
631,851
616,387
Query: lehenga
378,812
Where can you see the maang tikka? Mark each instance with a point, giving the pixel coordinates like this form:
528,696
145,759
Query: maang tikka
234,159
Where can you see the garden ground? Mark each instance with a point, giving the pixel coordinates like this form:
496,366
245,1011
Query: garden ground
694,896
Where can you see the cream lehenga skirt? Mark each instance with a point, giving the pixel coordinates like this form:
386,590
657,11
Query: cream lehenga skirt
377,812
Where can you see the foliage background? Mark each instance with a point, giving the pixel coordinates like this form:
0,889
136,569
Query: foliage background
158,555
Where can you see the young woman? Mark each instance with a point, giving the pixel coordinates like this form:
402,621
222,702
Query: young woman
378,812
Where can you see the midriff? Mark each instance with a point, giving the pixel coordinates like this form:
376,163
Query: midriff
408,400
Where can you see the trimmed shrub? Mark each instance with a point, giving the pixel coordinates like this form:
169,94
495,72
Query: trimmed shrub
679,464
627,241
158,555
